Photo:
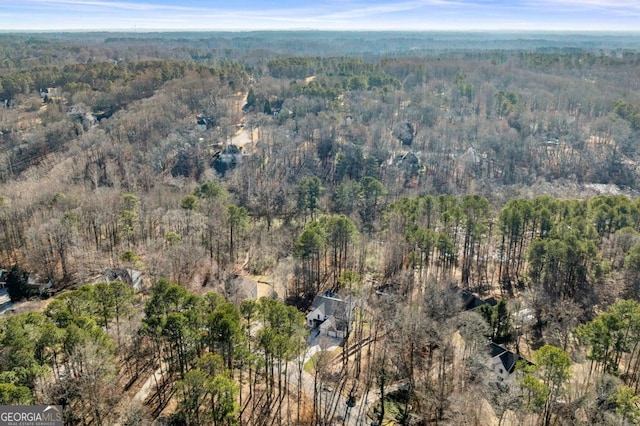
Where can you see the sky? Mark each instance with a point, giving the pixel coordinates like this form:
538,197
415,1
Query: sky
344,15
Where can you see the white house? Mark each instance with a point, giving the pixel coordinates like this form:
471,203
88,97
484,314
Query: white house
331,314
504,361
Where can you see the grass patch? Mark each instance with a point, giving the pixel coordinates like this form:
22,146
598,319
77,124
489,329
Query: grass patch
310,365
327,356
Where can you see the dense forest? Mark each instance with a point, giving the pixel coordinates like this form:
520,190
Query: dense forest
173,206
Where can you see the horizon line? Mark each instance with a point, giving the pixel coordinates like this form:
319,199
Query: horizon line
205,30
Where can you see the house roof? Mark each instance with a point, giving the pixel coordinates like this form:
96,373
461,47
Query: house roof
470,301
495,349
507,358
329,324
127,276
334,324
331,304
491,301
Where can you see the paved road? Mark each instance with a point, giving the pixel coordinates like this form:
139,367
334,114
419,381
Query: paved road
244,137
331,399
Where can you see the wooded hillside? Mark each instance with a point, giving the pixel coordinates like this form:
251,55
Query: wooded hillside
403,172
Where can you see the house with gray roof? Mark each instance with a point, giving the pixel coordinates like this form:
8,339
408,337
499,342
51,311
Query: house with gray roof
127,276
331,314
504,361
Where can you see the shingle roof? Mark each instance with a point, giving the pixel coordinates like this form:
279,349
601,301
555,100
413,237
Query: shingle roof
470,301
508,358
331,304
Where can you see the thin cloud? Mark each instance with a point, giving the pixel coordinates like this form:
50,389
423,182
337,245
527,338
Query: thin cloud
323,14
382,9
605,4
462,7
602,11
602,5
102,4
115,8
